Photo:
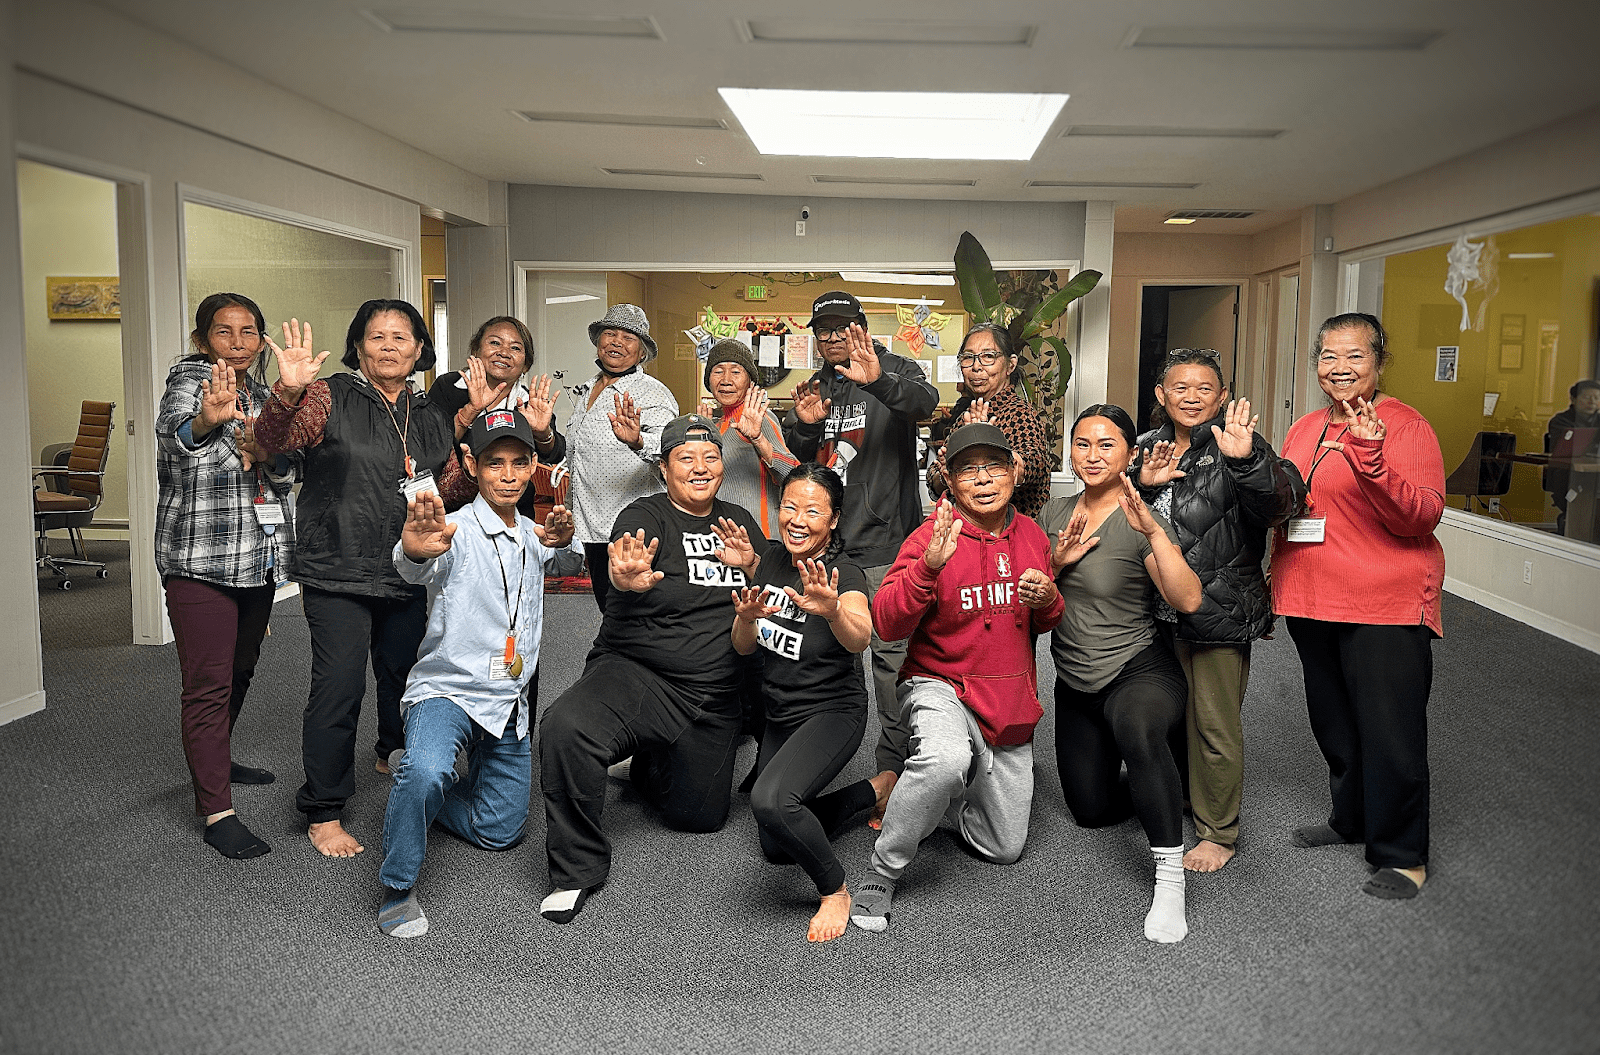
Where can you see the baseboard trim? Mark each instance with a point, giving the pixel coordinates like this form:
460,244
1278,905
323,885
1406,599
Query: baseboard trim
21,707
1577,635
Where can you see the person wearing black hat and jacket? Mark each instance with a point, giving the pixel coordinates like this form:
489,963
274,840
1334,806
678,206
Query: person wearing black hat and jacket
858,415
1223,488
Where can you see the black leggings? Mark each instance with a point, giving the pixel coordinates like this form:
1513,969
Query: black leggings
1136,719
796,762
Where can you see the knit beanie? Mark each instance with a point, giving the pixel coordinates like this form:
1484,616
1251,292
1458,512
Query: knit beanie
729,350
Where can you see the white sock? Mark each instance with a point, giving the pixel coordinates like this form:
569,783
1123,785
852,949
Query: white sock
559,901
1164,922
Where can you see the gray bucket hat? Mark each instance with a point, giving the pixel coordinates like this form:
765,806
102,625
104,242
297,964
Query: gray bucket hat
628,317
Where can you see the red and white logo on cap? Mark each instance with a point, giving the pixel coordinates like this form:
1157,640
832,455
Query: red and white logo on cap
500,419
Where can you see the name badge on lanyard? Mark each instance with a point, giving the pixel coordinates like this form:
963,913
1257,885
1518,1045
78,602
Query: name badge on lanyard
420,484
268,514
1306,529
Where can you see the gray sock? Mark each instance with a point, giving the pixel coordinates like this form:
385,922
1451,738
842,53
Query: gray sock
401,915
1317,835
871,901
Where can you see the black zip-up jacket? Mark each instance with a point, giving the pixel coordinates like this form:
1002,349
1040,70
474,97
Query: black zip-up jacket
1223,510
870,437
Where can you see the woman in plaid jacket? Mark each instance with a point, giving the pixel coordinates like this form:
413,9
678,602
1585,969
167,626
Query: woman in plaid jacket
223,538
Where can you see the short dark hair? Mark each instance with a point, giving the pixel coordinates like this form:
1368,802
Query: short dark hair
1002,341
1192,357
206,314
1572,393
522,335
828,480
1114,414
1353,320
358,331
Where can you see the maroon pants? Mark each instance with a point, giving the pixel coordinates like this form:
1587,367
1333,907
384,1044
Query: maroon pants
218,631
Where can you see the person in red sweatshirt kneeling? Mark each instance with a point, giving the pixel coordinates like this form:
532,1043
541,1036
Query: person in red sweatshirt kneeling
969,588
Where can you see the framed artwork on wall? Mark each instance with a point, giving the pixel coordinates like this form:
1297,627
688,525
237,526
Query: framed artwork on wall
75,297
1511,356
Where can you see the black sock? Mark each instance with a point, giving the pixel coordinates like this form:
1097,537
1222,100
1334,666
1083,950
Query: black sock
230,838
238,774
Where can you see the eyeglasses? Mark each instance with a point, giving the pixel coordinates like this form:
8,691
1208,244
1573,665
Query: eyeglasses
832,333
968,473
1178,355
966,359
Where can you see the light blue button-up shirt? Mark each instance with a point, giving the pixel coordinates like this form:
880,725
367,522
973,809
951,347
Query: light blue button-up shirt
468,615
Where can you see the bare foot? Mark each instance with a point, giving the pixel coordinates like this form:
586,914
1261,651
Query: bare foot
1417,875
830,920
1207,856
882,785
331,840
382,766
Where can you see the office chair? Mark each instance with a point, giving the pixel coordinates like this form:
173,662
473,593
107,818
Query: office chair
81,489
1481,473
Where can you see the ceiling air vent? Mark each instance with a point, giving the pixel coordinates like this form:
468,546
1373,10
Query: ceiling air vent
639,120
898,181
432,20
1113,184
1212,214
911,31
679,174
1168,132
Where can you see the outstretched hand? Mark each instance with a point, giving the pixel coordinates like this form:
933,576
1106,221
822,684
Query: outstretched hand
1159,466
754,414
1139,515
946,533
809,405
736,550
480,394
1237,436
298,365
630,561
426,533
863,366
748,605
219,400
556,531
819,591
540,406
1364,423
625,420
1069,545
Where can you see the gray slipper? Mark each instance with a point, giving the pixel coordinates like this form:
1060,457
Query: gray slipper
1391,884
870,903
1317,835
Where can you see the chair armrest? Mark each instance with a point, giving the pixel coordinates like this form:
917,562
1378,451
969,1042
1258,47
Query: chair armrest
62,470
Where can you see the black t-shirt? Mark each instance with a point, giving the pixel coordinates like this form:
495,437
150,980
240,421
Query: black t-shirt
805,671
681,627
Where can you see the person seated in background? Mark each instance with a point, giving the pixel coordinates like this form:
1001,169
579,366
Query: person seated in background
1561,440
483,567
970,589
661,683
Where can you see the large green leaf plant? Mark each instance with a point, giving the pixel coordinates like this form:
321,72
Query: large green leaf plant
1028,304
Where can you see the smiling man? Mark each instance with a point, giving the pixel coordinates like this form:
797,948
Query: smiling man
660,683
970,589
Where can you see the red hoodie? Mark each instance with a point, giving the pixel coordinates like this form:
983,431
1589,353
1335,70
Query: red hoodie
966,624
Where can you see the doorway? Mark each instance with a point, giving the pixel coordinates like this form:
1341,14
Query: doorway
1185,317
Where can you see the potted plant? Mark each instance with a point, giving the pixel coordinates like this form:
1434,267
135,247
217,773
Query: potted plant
1028,304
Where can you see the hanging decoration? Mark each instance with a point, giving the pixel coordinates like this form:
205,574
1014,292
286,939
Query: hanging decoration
919,326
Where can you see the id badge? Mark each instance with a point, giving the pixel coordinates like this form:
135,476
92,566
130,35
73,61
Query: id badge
499,670
268,514
420,484
1307,529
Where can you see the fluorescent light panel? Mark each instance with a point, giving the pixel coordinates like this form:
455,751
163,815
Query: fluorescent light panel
901,300
576,298
983,126
1282,38
430,20
1109,183
643,120
682,174
1177,220
897,278
1530,256
898,181
1171,132
900,32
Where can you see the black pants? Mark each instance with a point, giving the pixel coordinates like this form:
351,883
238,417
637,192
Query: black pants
346,630
682,748
598,556
1137,718
1367,697
796,762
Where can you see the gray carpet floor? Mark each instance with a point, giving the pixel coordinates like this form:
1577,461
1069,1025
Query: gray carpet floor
120,931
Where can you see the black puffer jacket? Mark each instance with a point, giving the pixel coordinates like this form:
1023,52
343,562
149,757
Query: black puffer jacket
1223,510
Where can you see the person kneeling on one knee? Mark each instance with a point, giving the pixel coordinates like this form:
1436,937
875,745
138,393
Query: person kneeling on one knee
970,589
483,567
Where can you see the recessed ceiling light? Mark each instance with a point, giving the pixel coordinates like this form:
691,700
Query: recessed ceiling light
901,300
431,20
897,278
1172,132
644,120
897,32
1177,220
984,126
683,174
577,298
1119,185
1530,256
1287,38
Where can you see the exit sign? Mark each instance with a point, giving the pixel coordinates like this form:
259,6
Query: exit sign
755,293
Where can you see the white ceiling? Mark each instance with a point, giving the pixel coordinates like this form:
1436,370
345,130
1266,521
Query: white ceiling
1352,119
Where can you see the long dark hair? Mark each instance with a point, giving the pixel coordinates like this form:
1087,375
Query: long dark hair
206,314
1114,414
358,331
828,480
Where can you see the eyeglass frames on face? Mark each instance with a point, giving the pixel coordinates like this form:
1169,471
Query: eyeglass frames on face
966,359
832,333
995,470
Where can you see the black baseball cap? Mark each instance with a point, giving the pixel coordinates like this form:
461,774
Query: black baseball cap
494,425
978,434
837,303
687,429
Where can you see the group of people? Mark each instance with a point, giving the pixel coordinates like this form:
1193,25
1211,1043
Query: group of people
746,567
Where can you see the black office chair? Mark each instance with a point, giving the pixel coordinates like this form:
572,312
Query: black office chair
1480,473
74,482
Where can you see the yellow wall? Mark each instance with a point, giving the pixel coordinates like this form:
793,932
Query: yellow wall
69,227
1419,316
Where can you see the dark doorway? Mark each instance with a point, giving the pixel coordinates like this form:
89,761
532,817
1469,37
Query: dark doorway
1184,317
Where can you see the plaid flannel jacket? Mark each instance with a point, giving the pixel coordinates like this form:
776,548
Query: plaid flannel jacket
206,526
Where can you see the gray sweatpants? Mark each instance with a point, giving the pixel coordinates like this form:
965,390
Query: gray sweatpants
984,793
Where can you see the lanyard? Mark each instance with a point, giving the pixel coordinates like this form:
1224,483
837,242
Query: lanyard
512,612
402,433
1320,452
